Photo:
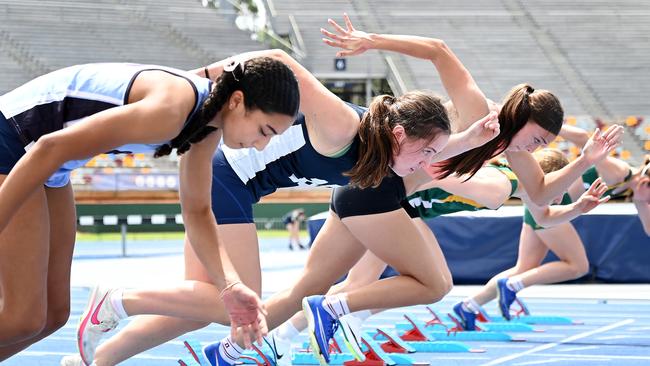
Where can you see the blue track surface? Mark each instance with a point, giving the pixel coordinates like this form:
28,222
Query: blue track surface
614,332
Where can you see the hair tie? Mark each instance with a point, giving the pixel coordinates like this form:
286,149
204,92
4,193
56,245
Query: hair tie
232,65
529,89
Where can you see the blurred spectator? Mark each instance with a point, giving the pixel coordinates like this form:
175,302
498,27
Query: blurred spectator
292,222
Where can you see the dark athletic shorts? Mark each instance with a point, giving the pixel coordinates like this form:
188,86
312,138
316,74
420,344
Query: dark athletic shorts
352,201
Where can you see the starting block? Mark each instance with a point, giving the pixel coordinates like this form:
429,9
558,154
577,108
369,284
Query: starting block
187,362
376,356
504,326
417,329
522,315
395,344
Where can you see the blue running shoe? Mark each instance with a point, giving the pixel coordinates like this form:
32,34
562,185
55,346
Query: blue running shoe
206,356
505,297
322,327
467,318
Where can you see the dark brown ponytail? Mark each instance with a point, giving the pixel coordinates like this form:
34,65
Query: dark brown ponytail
422,116
522,104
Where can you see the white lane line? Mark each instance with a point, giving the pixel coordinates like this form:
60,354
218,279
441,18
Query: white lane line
593,357
573,349
566,340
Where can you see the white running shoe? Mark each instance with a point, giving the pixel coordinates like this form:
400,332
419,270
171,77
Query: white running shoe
98,319
72,360
350,326
280,349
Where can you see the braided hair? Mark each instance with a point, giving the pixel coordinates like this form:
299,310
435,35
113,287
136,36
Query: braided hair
267,85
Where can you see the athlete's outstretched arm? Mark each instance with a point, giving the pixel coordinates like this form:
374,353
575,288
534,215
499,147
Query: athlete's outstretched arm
243,305
156,117
336,124
542,189
488,187
458,82
612,170
548,216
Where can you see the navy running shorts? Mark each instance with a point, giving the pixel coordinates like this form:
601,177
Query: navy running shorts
11,146
232,200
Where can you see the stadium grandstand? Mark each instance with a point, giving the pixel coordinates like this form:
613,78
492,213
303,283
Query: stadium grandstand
592,54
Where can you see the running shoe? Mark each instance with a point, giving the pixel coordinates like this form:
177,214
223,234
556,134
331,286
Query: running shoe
98,319
351,330
208,355
280,349
274,351
506,297
322,327
467,318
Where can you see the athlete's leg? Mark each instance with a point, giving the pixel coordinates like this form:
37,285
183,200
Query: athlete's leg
332,255
395,239
563,240
24,255
365,271
149,331
531,253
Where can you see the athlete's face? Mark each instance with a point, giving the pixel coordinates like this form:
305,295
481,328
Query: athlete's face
415,153
530,138
244,128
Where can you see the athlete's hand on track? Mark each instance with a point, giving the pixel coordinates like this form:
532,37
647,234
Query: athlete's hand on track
354,42
600,144
591,198
246,312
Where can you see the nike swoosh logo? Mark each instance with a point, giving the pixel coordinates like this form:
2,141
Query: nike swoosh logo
278,356
94,319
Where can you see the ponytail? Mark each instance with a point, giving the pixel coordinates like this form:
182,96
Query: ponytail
377,144
522,104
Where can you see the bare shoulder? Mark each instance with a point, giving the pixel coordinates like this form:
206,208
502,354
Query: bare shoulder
168,90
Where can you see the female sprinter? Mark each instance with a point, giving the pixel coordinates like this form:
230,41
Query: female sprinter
557,234
58,121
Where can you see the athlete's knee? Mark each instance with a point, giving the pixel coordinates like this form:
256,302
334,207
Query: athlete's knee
21,325
437,289
57,317
579,268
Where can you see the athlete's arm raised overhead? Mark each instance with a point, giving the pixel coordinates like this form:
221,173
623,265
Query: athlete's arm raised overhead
458,82
333,123
158,105
541,189
548,216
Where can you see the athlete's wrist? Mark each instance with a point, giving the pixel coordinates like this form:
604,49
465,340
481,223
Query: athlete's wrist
228,287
